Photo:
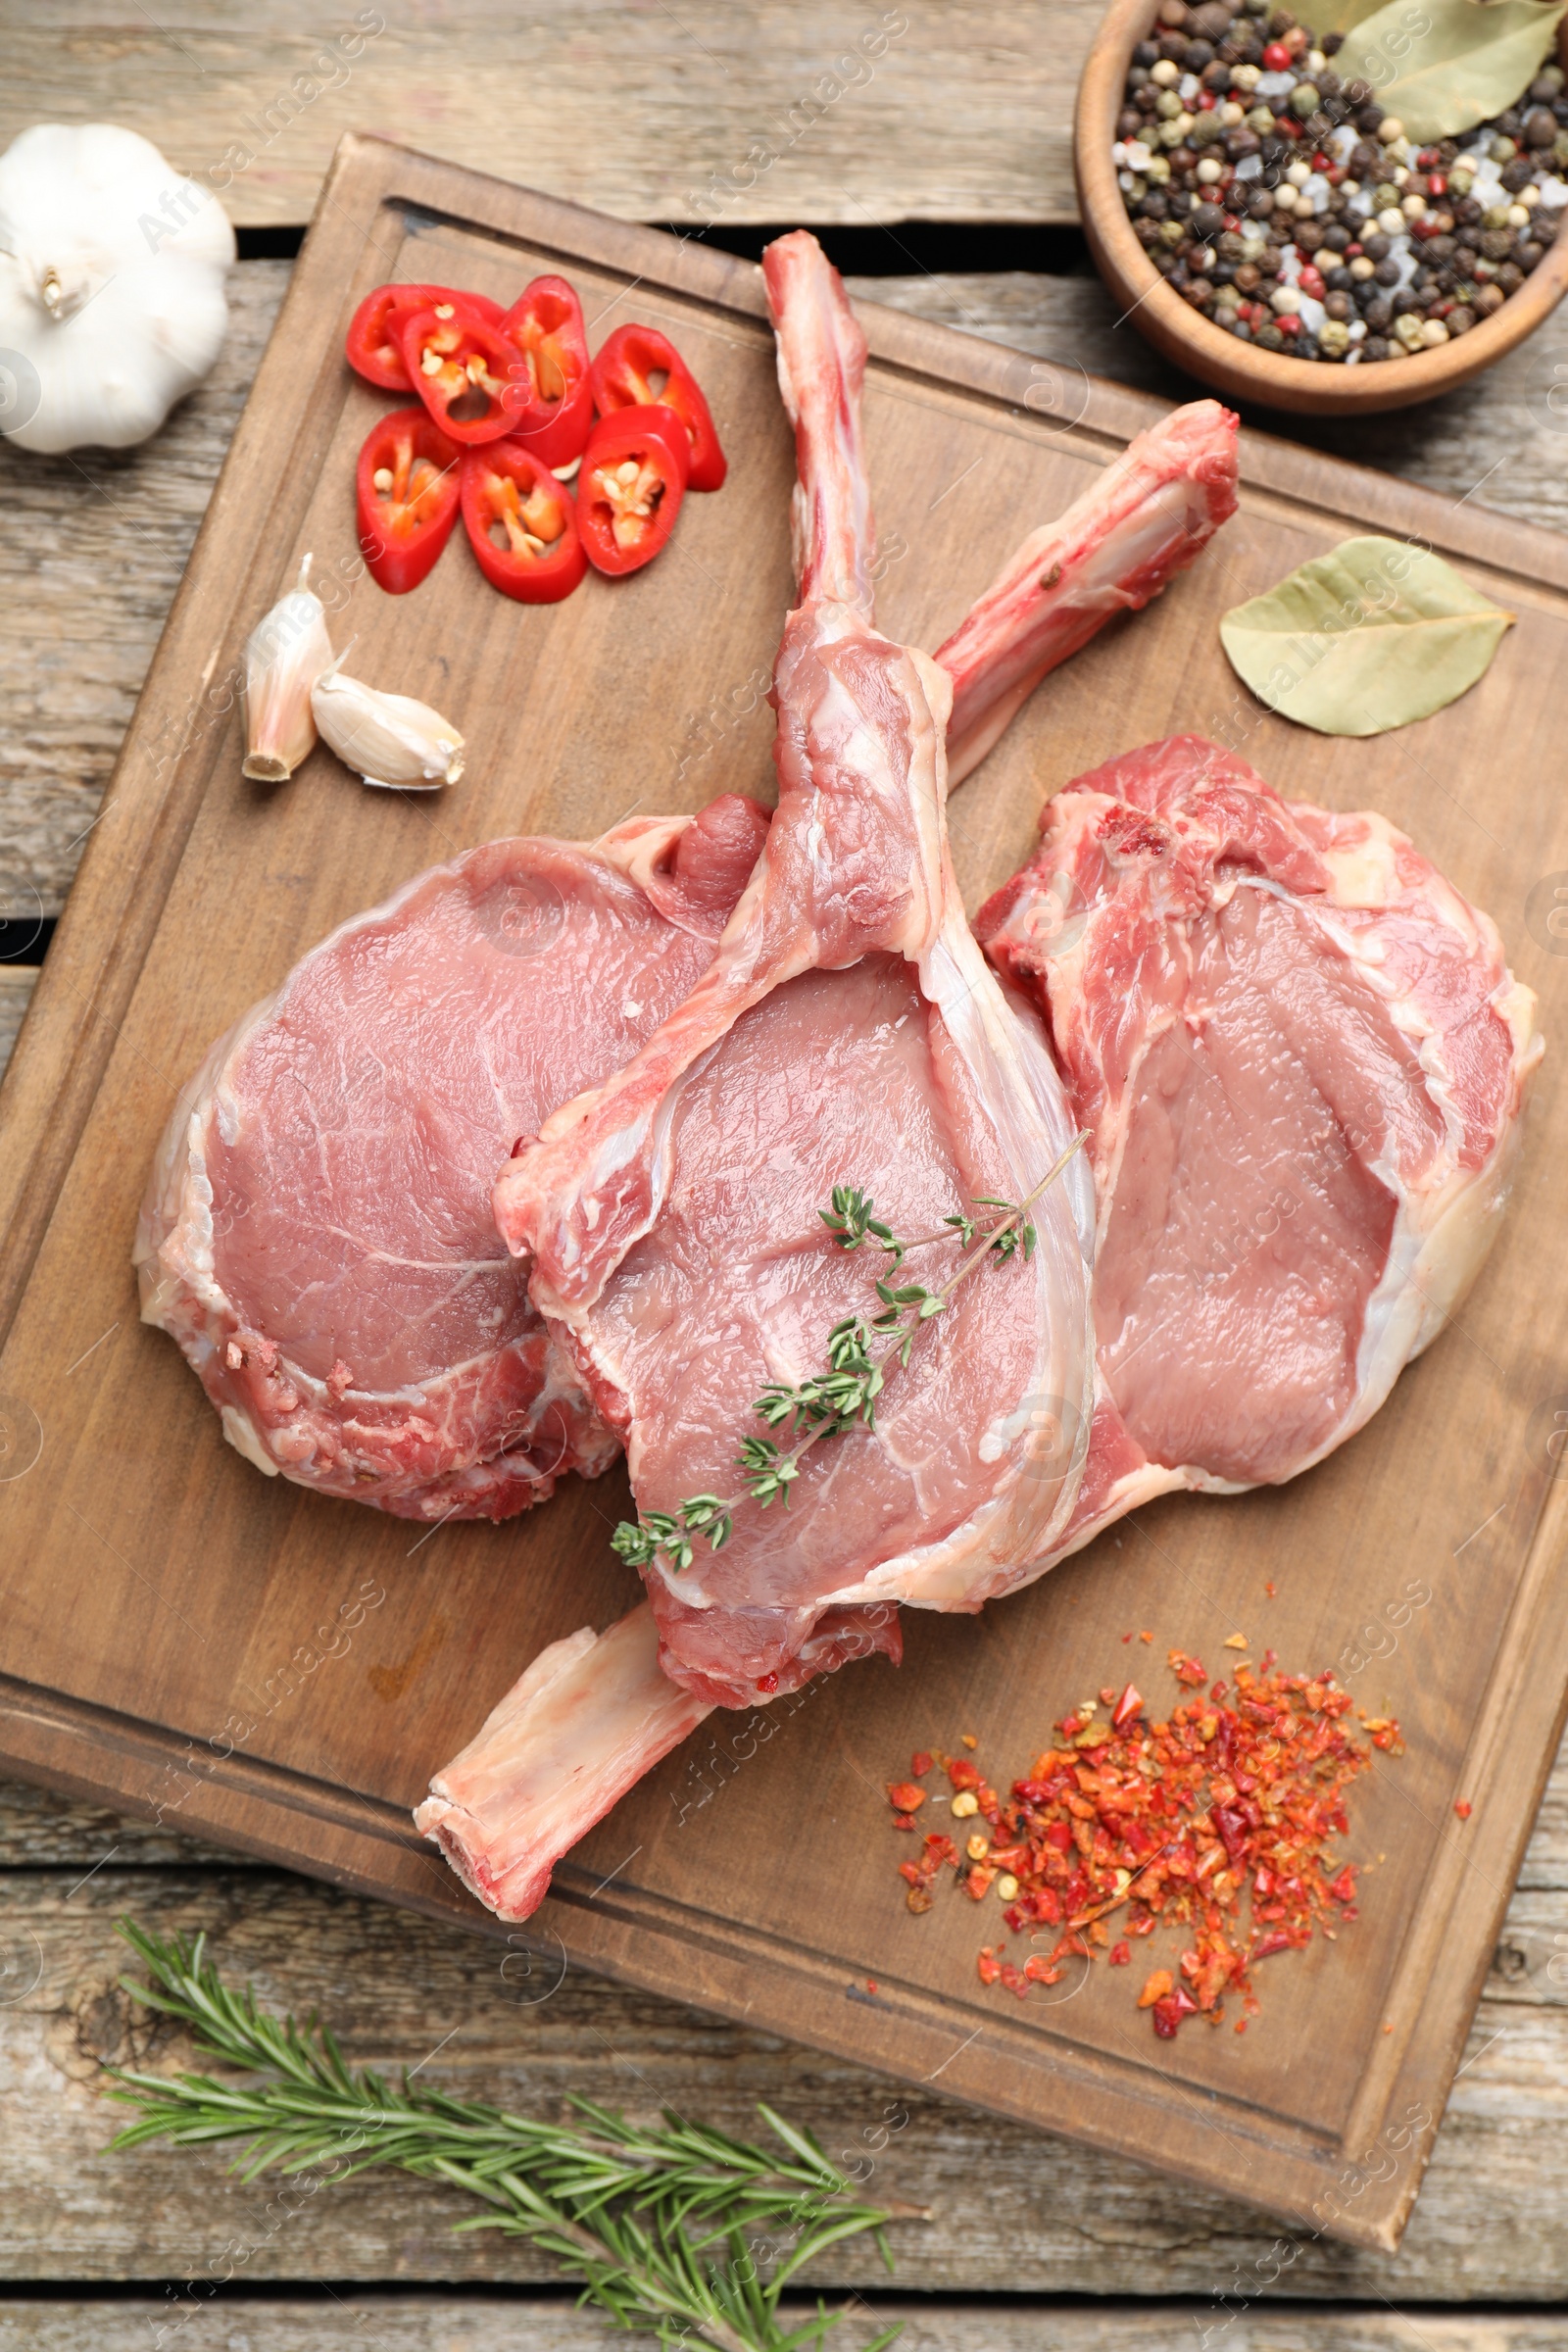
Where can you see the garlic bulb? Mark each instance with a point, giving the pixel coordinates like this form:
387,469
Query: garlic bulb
284,655
390,739
110,286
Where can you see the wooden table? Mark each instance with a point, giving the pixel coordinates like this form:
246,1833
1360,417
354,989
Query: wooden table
652,114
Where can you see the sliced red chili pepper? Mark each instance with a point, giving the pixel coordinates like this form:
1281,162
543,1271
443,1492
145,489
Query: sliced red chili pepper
373,343
554,421
464,369
629,491
520,524
637,365
407,495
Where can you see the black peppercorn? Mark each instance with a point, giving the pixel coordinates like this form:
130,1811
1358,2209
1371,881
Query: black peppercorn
1377,248
1336,238
1387,273
1510,277
1338,305
1378,314
1340,282
1207,220
1526,253
1467,211
1145,53
1374,348
1519,174
1153,207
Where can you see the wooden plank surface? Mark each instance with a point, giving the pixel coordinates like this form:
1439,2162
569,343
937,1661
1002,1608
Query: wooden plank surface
236,1563
1013,2211
351,2321
940,109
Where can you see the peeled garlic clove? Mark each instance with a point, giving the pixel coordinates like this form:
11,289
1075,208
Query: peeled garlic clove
284,655
389,738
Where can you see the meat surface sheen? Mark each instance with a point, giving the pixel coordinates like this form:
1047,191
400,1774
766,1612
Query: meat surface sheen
832,1078
318,1236
847,1017
1302,1058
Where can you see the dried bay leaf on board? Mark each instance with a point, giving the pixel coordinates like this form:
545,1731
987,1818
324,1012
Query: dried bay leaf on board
1373,635
1444,66
1339,16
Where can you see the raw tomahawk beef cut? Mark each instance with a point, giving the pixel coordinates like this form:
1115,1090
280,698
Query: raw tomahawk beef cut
317,1236
848,1029
1301,1058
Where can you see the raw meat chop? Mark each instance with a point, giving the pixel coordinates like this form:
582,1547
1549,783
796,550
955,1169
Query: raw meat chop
848,1030
299,1167
1302,1058
318,1235
1139,523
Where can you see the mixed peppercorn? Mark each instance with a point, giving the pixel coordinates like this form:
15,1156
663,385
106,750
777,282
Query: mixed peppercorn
1287,207
1237,1792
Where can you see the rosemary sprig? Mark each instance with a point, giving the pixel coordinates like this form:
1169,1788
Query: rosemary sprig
661,2226
828,1403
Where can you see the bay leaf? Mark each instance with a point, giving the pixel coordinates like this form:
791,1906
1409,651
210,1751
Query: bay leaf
1341,16
1444,66
1373,635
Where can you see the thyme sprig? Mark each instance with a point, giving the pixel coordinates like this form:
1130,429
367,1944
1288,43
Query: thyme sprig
826,1404
669,2229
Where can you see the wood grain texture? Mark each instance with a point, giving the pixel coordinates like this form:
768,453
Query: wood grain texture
709,110
160,1586
92,549
1012,2209
353,2322
15,990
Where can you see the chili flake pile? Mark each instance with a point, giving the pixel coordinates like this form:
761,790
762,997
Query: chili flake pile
1236,1792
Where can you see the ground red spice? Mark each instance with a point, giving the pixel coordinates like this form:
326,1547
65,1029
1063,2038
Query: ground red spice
1169,1822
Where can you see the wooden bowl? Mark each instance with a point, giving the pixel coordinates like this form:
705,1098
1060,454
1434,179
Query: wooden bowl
1306,387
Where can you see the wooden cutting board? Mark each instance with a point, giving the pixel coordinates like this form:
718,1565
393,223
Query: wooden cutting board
183,1638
